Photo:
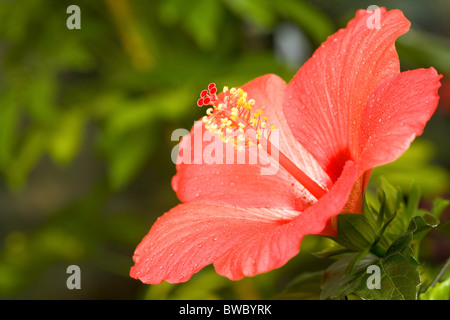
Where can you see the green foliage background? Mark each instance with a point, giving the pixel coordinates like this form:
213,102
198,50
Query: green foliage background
86,118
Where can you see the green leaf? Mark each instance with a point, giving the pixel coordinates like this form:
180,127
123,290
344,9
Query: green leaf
413,201
205,37
337,284
29,153
398,278
127,157
422,223
331,251
65,140
316,24
440,291
355,232
256,11
304,287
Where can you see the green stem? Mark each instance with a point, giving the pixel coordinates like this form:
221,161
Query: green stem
441,272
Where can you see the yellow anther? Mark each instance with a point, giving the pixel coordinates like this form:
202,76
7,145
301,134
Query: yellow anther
230,116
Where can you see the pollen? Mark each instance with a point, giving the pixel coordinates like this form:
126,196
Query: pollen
232,116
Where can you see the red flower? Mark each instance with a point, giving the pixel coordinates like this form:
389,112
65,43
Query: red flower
348,109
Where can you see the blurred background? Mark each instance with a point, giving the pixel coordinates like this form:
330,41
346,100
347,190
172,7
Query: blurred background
86,117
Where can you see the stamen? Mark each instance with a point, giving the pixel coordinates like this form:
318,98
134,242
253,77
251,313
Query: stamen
230,117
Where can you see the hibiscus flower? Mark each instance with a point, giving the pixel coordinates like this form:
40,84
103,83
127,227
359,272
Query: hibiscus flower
347,110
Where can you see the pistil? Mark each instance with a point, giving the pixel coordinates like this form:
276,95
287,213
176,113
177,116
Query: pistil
231,117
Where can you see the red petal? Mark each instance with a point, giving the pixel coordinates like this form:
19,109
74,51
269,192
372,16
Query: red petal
324,101
396,113
266,251
239,241
195,234
243,184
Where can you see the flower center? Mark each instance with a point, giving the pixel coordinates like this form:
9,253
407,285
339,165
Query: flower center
232,118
